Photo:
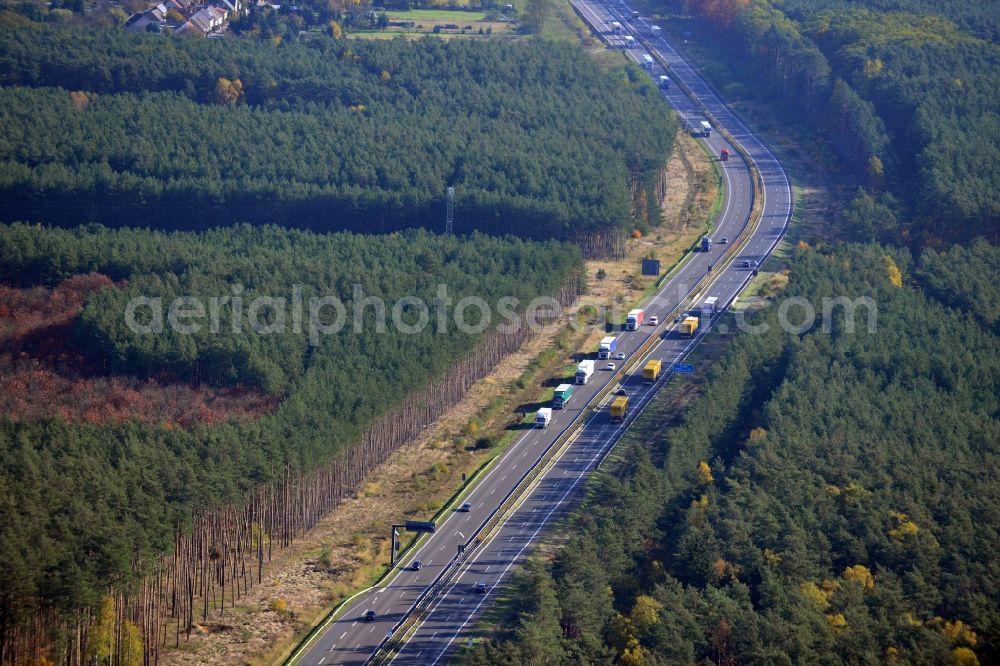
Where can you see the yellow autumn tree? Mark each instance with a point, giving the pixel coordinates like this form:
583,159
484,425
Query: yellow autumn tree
645,613
892,271
837,620
705,472
816,597
860,574
101,638
959,632
963,656
756,436
335,30
904,526
634,654
228,92
131,647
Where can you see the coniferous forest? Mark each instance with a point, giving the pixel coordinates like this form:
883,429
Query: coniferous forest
119,128
905,91
90,505
830,498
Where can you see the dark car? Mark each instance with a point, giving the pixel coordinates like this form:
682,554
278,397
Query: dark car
479,588
370,616
621,391
416,565
465,508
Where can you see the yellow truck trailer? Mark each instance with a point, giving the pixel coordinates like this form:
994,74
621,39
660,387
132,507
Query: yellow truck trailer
651,371
689,326
619,408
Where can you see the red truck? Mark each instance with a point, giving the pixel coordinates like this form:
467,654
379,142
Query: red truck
724,155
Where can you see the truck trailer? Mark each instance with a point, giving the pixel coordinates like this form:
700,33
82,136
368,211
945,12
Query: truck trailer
709,308
689,326
543,417
634,319
608,346
647,61
706,128
651,371
619,408
584,371
706,243
562,395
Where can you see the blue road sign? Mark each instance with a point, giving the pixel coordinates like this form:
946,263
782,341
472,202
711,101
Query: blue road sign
681,367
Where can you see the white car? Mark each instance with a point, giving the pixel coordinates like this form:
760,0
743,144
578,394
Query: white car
609,366
620,356
654,321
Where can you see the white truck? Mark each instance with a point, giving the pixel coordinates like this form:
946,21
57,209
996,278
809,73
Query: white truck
616,27
647,61
654,30
709,308
629,41
584,371
706,128
608,346
634,319
543,417
665,82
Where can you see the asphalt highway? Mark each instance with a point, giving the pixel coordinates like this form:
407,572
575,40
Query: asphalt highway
350,639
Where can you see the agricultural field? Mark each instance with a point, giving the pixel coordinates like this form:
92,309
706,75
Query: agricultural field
446,23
